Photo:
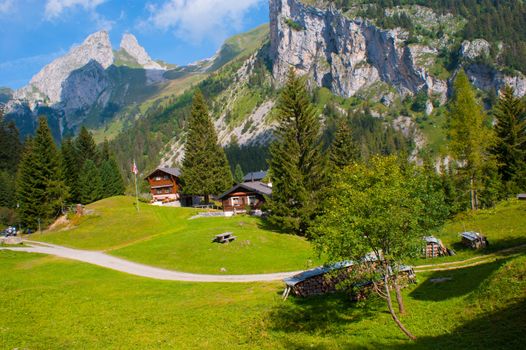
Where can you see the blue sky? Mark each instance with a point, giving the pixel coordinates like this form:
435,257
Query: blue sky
34,32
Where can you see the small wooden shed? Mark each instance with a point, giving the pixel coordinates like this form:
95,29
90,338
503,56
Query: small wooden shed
325,279
474,240
434,248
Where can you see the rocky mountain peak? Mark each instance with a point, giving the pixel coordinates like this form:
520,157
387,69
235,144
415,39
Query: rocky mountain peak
47,84
130,44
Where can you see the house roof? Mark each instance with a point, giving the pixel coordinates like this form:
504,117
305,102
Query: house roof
255,176
171,171
521,196
431,239
305,275
472,236
255,186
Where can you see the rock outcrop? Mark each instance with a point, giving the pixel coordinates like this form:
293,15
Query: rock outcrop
347,54
130,44
47,85
342,54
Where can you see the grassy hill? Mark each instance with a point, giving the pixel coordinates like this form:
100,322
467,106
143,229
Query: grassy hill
53,303
166,237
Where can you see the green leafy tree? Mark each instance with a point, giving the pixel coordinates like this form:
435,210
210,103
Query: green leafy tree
238,174
510,145
86,147
205,169
343,150
374,208
70,168
470,138
90,183
296,160
112,182
41,191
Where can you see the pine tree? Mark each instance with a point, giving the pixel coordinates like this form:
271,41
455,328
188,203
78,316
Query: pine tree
343,150
470,137
205,169
70,168
90,184
41,191
105,153
238,174
112,183
86,147
297,163
510,145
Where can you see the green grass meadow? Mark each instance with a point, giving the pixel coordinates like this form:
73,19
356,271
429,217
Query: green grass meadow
166,237
52,303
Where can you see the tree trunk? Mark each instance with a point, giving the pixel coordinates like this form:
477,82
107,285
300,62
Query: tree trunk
207,198
399,299
391,311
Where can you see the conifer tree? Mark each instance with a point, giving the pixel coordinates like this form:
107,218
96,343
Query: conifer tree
238,174
343,150
41,191
90,184
470,138
112,183
70,168
205,169
86,147
297,163
510,143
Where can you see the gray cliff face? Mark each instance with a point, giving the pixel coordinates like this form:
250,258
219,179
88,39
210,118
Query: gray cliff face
131,46
341,54
346,55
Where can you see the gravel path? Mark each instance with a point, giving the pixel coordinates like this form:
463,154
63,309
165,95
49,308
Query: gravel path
132,268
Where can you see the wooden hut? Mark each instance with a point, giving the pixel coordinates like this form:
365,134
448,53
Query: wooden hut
474,240
434,248
325,279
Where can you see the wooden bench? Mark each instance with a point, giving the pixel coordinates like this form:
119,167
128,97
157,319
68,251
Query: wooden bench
226,237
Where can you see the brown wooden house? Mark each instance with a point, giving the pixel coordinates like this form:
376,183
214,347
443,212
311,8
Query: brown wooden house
245,195
165,184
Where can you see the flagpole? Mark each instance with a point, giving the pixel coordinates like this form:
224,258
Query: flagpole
136,189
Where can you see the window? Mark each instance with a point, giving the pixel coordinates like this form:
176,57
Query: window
158,191
167,191
157,178
252,200
166,177
234,201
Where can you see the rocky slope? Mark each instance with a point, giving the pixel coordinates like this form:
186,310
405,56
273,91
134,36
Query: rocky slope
347,54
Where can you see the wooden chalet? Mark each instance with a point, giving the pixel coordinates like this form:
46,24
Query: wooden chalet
247,195
165,184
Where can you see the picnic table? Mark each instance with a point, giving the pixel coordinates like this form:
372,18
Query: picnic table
226,237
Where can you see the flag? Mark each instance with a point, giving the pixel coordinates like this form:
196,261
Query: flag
134,168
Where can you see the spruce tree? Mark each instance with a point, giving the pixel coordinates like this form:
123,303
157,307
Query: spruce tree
90,184
86,147
470,138
343,150
238,174
41,191
112,183
510,143
70,168
296,162
205,169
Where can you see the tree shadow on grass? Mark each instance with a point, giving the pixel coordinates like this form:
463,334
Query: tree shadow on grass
456,282
501,329
320,314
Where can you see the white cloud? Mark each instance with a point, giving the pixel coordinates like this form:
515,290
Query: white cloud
195,20
54,8
6,6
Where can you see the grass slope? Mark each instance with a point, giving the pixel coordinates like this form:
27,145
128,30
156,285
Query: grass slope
52,303
166,237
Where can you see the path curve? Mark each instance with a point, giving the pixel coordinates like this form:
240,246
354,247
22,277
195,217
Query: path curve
132,268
